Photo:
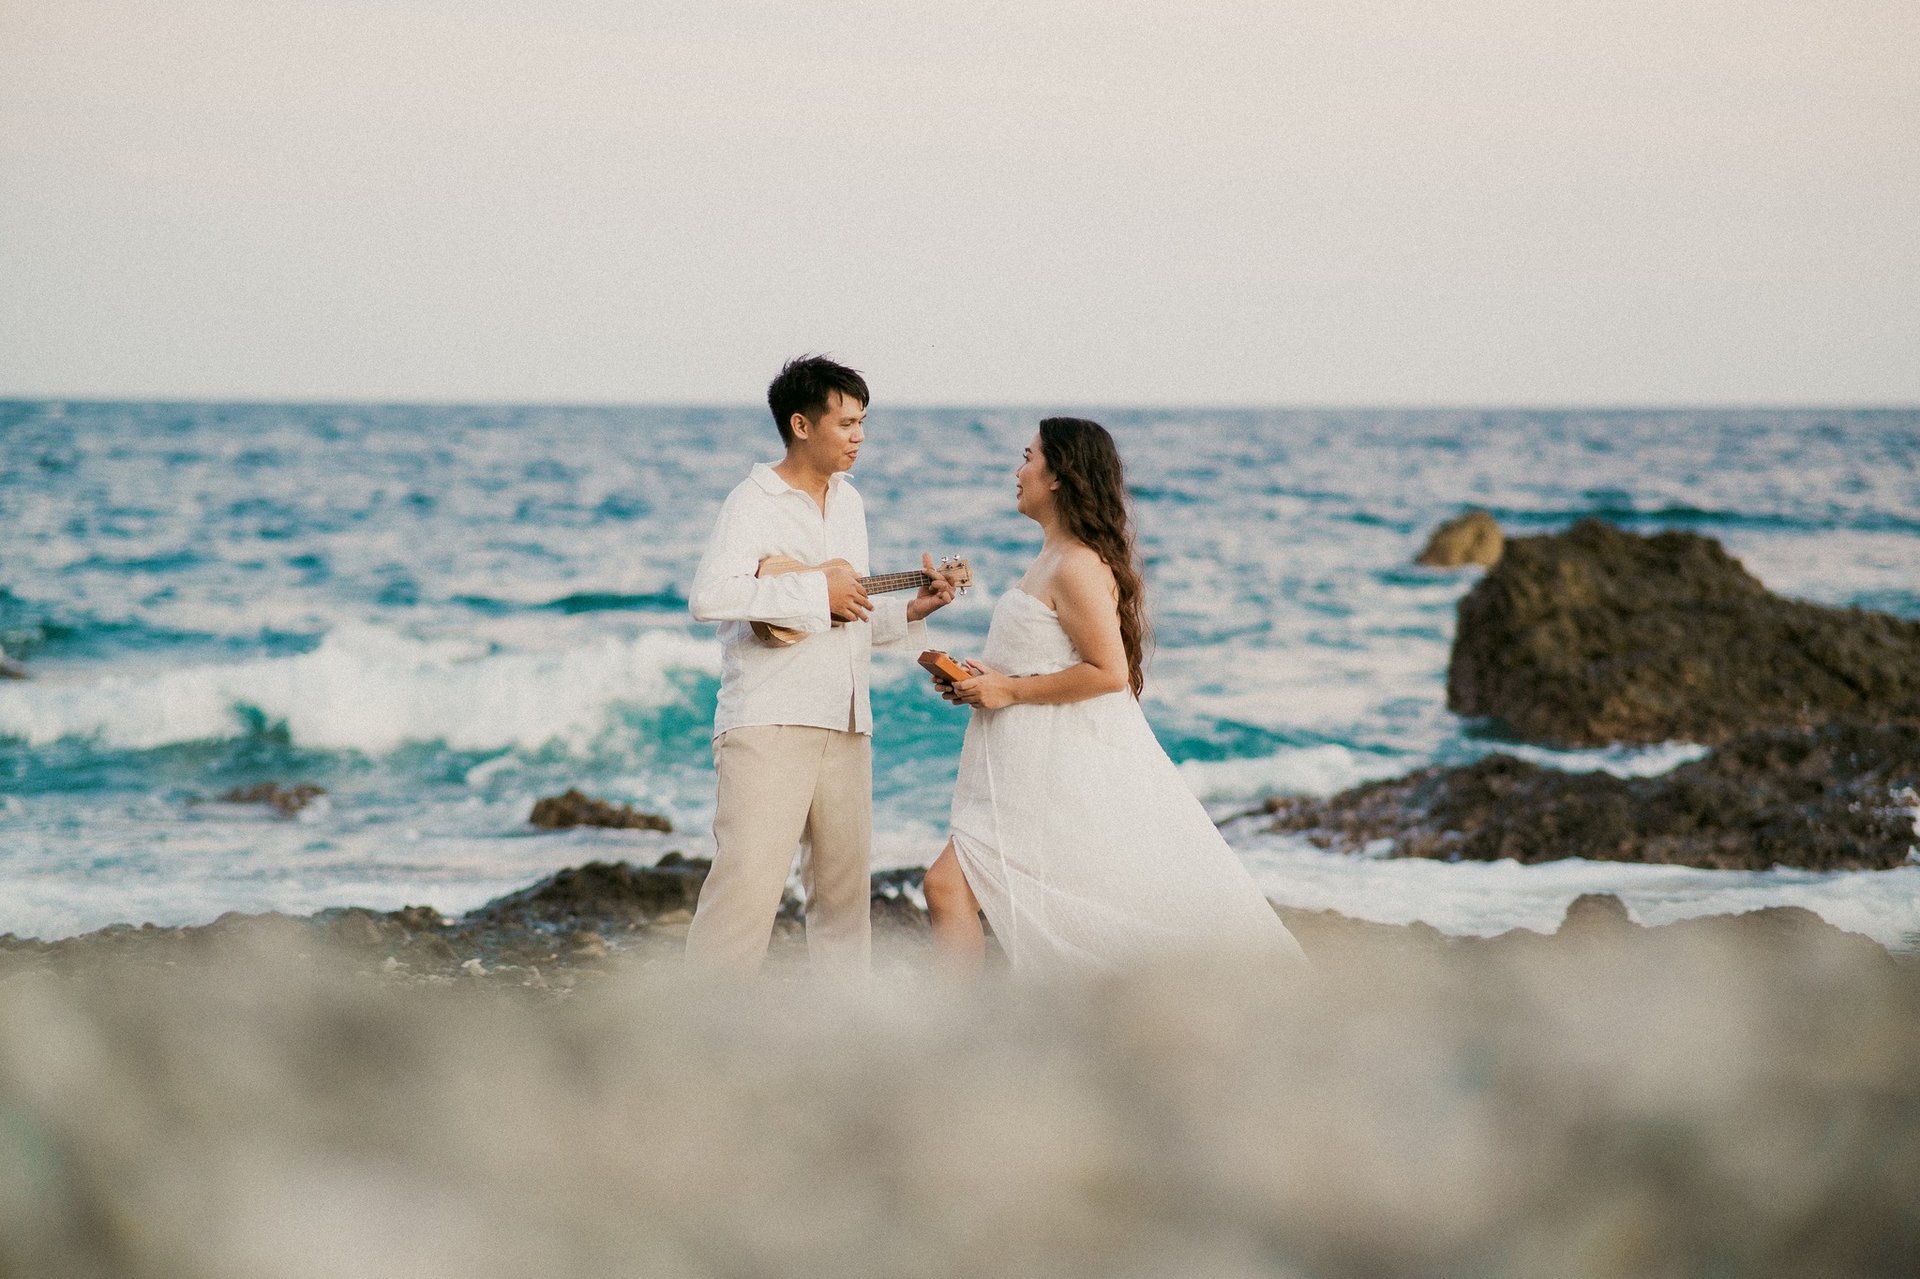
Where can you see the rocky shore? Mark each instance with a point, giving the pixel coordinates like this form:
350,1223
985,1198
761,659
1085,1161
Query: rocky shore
1842,797
377,1094
585,923
1596,636
574,926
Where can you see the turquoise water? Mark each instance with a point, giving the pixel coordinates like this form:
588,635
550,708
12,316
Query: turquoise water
441,613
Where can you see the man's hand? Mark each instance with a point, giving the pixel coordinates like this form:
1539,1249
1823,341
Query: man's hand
846,598
936,594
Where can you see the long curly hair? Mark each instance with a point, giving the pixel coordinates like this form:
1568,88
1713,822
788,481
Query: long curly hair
1092,501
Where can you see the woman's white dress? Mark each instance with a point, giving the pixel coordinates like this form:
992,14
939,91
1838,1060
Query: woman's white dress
1077,833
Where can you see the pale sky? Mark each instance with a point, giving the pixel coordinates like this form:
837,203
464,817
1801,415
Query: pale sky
1298,202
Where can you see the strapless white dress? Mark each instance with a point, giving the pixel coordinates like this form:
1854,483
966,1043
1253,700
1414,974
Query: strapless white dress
1077,833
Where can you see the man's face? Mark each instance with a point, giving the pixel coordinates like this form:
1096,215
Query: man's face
833,442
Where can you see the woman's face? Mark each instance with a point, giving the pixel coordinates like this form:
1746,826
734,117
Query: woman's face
1033,483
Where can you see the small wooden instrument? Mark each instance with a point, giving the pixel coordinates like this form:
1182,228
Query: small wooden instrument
954,569
941,665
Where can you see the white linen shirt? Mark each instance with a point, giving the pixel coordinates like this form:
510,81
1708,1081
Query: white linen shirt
820,682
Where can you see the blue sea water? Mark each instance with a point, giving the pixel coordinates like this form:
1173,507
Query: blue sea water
441,613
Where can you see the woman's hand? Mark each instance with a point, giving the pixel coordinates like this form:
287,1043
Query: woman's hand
988,689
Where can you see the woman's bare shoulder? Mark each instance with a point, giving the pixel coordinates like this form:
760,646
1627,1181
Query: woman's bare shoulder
1082,574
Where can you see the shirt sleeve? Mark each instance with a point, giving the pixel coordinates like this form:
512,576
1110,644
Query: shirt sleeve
727,588
890,627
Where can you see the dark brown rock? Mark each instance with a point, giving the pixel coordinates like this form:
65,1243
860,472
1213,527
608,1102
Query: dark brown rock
617,892
575,809
288,800
896,899
1836,798
1597,635
1473,538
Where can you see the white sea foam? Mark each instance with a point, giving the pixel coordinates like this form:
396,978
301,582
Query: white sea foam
1329,768
1621,761
368,689
1305,770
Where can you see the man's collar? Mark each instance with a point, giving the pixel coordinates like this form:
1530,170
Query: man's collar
770,480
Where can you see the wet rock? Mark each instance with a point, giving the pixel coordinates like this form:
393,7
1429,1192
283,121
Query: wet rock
1473,538
1597,635
556,812
1836,798
899,900
288,800
618,893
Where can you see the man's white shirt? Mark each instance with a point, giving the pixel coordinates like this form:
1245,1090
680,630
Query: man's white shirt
820,682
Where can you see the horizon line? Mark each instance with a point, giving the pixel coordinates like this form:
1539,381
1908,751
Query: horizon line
1355,406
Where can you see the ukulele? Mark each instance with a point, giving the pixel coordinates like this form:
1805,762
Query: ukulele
955,569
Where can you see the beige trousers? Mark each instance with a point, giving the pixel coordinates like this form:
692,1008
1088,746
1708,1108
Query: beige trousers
782,786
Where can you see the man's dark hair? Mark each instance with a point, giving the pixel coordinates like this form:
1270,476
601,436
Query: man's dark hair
804,386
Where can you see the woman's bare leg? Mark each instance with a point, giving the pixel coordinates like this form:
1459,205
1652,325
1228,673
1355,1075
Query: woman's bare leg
955,912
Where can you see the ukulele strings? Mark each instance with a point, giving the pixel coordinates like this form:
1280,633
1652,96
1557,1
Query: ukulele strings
885,582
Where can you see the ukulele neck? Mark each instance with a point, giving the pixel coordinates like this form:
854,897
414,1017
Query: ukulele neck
882,583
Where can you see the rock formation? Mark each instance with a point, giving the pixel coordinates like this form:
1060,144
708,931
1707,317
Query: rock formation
556,812
1843,797
1597,635
1473,538
287,800
601,893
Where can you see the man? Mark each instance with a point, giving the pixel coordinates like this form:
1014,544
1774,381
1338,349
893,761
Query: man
793,731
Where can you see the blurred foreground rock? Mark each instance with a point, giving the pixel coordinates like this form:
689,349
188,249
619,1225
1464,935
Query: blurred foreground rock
573,808
1837,798
1472,538
1596,635
1734,1099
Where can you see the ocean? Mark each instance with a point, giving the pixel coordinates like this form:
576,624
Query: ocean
440,614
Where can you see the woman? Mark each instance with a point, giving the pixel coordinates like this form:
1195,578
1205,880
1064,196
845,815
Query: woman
1071,828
